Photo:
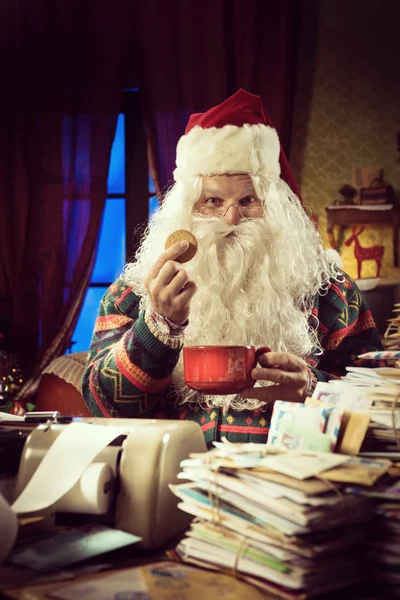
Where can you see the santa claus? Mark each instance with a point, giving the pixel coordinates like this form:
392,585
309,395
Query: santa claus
260,277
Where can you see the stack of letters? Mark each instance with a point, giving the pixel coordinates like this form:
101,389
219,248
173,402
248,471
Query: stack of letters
392,333
279,519
383,548
379,390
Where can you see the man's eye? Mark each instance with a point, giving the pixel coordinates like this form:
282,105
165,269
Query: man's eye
248,200
214,201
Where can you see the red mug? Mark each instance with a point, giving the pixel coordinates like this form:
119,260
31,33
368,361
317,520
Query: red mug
220,369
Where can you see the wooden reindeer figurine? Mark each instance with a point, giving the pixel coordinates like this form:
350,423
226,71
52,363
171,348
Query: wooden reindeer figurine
372,253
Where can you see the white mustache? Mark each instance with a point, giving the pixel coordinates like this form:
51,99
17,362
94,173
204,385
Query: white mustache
213,229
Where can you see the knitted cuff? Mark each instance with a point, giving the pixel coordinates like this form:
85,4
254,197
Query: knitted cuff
166,324
161,331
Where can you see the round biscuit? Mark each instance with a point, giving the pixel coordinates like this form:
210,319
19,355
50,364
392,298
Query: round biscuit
179,236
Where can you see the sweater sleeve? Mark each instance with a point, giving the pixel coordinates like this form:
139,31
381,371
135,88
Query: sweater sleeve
346,330
129,364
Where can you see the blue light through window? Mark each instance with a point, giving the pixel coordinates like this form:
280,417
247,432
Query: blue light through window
111,250
85,325
153,206
116,172
150,185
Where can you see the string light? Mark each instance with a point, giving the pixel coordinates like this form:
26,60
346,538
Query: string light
11,375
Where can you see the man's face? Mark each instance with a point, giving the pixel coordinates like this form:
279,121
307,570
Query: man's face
230,197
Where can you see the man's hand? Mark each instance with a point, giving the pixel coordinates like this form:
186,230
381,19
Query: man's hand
289,372
169,286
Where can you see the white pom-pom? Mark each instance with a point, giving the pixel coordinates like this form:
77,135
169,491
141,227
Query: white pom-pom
334,257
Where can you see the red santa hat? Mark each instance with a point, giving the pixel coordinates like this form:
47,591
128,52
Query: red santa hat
236,136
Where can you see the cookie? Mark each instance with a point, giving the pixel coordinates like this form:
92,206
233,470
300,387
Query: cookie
178,236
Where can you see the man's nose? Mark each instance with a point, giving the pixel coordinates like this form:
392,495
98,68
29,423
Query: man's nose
232,215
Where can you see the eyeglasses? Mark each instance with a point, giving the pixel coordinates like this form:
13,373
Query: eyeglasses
247,208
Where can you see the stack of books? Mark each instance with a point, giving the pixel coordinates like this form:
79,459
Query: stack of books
278,519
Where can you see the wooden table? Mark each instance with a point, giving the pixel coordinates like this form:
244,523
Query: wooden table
18,583
14,579
346,216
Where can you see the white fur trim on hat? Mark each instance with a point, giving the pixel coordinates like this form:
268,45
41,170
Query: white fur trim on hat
252,149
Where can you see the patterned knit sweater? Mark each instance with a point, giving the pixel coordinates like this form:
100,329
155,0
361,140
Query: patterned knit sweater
131,361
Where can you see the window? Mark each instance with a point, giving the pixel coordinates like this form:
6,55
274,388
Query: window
111,250
128,184
153,200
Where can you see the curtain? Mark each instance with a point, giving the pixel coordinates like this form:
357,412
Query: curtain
61,76
192,55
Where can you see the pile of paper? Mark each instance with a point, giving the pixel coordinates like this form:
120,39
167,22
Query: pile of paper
280,520
392,333
305,426
374,391
383,549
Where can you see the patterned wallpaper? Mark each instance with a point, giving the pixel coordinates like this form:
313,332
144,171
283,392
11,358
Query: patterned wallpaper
347,108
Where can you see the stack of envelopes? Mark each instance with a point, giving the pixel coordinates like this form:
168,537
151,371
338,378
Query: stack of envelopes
383,548
392,333
381,387
281,520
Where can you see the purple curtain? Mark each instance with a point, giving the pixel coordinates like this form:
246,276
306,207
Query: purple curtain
61,76
192,55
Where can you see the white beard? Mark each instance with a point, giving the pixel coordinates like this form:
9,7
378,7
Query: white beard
255,280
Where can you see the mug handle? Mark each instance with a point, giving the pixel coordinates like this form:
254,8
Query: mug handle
260,351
